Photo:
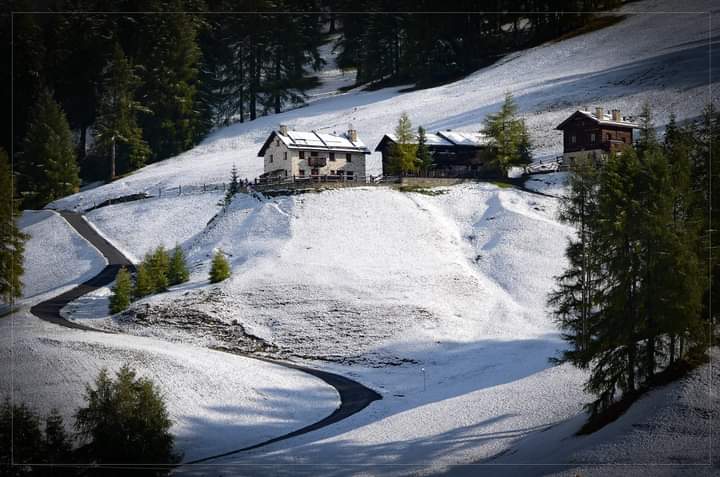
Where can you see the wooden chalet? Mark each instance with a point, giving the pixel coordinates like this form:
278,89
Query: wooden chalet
595,135
454,154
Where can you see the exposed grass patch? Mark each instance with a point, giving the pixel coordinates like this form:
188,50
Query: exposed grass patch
617,409
596,23
501,184
422,190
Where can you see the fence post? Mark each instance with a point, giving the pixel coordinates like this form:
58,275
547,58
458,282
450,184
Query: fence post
179,190
203,187
159,191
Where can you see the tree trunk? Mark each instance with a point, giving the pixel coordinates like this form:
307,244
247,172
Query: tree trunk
277,83
672,349
112,160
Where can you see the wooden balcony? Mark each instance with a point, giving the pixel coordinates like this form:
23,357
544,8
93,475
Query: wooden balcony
317,161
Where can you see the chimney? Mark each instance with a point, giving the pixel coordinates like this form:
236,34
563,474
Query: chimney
616,115
283,129
352,135
599,113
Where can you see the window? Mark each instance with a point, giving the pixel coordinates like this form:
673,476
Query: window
302,172
592,138
277,142
314,153
332,156
271,158
349,175
285,156
573,139
348,157
609,136
302,154
332,172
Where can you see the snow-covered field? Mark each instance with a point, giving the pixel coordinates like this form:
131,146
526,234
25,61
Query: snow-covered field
218,402
436,300
55,255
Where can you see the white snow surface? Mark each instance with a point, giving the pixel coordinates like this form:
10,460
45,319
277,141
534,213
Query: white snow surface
56,256
661,58
218,402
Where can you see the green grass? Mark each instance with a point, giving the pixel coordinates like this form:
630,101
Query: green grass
501,184
422,190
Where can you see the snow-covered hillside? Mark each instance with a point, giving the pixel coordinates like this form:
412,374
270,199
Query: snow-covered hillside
436,299
659,58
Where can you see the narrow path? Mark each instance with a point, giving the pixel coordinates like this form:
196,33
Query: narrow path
354,397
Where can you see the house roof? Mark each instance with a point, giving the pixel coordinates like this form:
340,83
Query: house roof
606,120
445,139
315,141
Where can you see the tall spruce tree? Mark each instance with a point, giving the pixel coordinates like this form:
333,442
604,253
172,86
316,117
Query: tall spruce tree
116,122
574,298
12,240
49,168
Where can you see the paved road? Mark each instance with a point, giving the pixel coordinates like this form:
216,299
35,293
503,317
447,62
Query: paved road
354,397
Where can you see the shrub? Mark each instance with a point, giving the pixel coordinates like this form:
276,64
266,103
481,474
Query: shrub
122,292
220,269
126,422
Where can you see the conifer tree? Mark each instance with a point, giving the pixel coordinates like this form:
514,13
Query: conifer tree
404,151
577,288
509,137
220,268
143,282
158,264
126,421
12,240
423,153
116,122
49,166
178,272
233,187
121,292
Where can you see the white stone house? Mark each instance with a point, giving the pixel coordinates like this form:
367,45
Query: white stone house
313,154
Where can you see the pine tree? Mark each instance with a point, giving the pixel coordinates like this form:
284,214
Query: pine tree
126,421
116,123
577,288
404,150
121,292
220,268
233,187
50,170
510,140
158,263
423,153
12,240
143,282
170,74
178,272
57,443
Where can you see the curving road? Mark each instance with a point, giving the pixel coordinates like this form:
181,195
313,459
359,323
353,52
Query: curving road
354,397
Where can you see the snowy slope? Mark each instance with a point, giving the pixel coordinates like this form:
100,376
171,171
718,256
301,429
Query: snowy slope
55,255
659,58
218,402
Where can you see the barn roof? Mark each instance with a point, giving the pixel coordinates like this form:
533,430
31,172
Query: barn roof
315,141
605,120
445,139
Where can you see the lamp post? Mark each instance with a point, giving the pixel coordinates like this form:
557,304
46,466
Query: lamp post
424,380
